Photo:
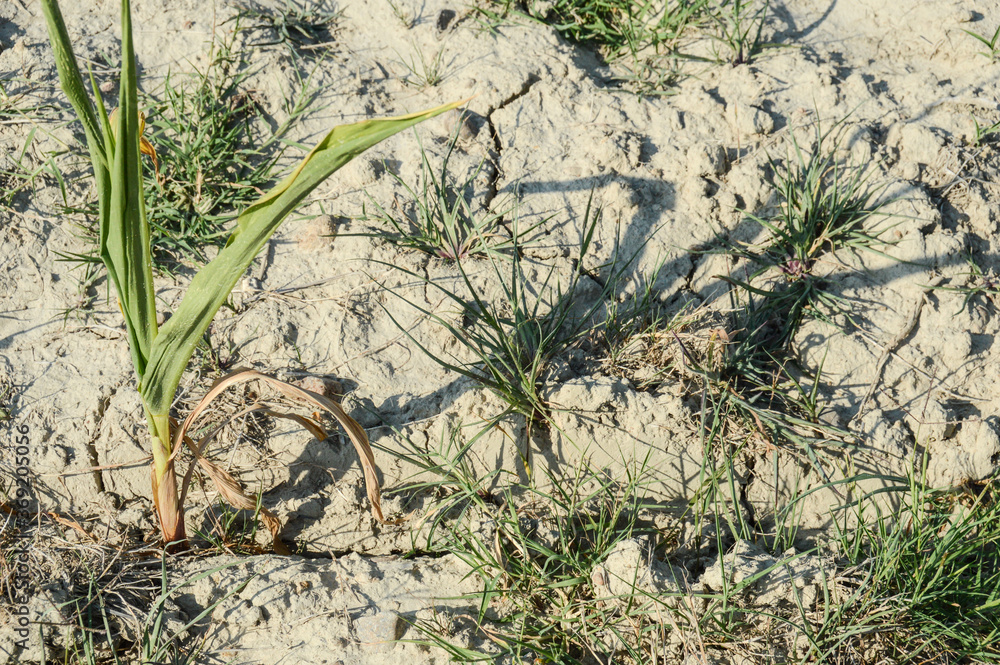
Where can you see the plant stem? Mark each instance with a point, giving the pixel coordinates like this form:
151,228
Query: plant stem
168,506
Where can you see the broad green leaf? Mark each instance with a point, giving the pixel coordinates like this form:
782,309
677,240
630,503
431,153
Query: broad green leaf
124,233
176,341
72,83
126,249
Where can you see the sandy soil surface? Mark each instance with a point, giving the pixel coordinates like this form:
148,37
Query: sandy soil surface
549,127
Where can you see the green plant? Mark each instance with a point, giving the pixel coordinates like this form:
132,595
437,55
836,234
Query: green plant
641,35
630,320
925,575
992,43
540,556
15,177
299,24
740,24
825,206
442,223
423,71
233,531
514,340
402,15
979,282
160,353
985,132
212,161
97,617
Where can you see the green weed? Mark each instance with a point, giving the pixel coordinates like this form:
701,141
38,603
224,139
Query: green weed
824,207
300,24
231,530
991,43
985,133
214,162
740,26
515,339
641,35
403,15
924,581
984,284
539,555
423,71
442,222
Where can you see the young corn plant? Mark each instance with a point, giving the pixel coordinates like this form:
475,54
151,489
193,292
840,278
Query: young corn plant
161,353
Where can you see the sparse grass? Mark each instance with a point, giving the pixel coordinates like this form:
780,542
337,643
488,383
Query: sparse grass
423,71
740,26
403,15
437,217
16,175
924,582
539,555
985,133
980,284
514,339
102,641
300,24
641,35
231,530
206,128
991,43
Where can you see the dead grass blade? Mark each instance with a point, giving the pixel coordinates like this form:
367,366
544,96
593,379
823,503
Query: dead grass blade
228,486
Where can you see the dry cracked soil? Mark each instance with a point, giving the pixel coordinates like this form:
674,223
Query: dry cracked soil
906,365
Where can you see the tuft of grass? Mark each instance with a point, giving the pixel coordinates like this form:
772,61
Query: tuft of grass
214,161
300,24
403,15
540,556
514,339
825,206
923,581
740,25
102,641
16,173
438,217
985,133
991,43
980,284
641,35
231,530
423,71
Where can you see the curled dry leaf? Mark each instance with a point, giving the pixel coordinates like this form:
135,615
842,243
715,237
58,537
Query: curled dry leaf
229,487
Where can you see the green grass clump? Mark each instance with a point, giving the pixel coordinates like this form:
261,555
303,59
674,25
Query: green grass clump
437,217
739,30
924,581
641,35
985,132
299,24
824,206
514,339
17,173
539,555
992,44
214,159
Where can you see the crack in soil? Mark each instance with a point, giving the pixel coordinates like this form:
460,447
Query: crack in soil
495,135
95,463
